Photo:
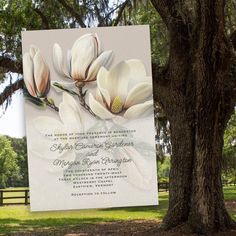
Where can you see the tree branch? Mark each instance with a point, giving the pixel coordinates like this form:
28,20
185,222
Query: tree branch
173,12
100,18
121,10
10,89
233,39
43,18
72,11
161,84
10,65
176,15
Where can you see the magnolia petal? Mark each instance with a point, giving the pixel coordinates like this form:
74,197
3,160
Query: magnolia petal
28,74
32,51
99,97
137,72
47,125
139,110
138,94
79,39
70,117
119,120
102,84
68,99
67,85
98,109
58,61
117,81
68,62
83,52
137,68
42,149
137,171
41,73
98,44
140,162
103,60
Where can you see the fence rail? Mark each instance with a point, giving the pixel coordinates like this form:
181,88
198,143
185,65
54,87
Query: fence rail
6,195
163,187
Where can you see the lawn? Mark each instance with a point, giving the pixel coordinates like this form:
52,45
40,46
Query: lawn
18,218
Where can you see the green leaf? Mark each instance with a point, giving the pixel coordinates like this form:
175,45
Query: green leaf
51,101
56,84
36,101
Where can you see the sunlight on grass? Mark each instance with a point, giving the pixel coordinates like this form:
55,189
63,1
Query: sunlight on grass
230,195
230,192
19,218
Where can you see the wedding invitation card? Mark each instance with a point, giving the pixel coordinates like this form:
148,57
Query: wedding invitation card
89,118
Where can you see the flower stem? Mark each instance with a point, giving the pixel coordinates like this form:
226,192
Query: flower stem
81,96
51,104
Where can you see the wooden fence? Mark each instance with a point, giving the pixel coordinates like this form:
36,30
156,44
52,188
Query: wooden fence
7,198
163,187
8,195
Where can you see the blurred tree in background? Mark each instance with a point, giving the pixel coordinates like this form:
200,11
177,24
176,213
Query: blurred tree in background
20,148
229,154
9,170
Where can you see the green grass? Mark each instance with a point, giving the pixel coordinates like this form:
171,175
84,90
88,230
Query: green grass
18,218
230,193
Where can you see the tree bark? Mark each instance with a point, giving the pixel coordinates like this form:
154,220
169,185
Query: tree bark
180,172
208,211
10,90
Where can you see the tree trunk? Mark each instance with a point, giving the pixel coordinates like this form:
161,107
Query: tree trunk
181,171
207,211
196,192
198,103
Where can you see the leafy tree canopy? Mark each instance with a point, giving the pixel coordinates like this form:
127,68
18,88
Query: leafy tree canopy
9,170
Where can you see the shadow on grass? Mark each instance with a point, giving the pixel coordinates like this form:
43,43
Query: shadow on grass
163,205
12,225
28,225
17,225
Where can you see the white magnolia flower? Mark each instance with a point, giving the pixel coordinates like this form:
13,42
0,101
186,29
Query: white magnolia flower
36,73
139,171
83,61
124,90
70,123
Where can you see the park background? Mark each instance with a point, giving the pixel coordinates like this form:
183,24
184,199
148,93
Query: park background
16,16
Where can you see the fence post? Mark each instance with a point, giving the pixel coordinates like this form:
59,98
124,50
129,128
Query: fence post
1,197
26,197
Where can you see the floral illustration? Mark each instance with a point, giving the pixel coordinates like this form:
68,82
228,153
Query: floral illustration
36,73
36,77
124,90
70,122
84,60
137,175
